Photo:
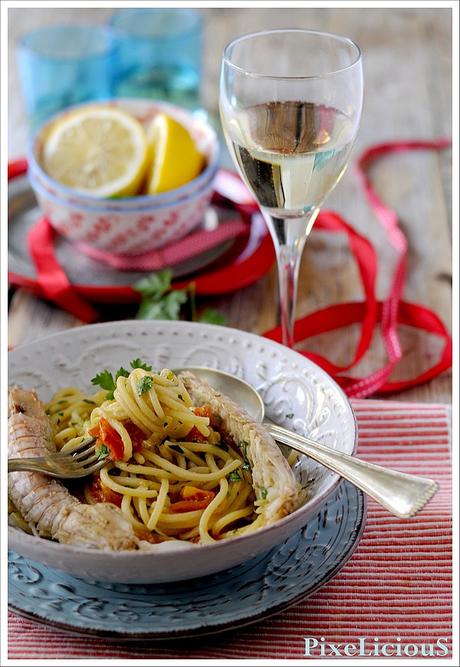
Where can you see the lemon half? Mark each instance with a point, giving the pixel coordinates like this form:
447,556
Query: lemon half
98,150
175,158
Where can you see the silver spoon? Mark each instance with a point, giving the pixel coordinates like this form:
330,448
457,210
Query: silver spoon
402,494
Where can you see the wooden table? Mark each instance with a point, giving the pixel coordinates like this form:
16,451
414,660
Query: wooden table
407,64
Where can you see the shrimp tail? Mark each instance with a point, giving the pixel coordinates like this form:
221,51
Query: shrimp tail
45,504
277,490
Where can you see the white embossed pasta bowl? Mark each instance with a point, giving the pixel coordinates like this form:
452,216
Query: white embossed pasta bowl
128,225
296,393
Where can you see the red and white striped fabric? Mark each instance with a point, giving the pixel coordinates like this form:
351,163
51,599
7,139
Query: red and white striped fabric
396,587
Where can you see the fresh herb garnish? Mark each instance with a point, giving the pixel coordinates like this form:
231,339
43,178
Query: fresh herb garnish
103,452
177,448
166,308
245,466
290,415
160,302
138,363
144,384
234,476
155,285
212,316
263,493
106,381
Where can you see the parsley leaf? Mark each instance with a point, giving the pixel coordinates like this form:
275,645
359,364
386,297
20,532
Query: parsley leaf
166,308
103,452
212,316
160,302
290,415
263,493
154,285
144,384
121,372
138,363
234,476
157,302
245,466
106,381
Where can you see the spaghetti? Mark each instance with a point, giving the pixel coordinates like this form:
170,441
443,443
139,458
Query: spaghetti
169,468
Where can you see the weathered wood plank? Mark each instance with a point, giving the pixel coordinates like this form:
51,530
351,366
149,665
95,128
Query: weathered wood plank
31,318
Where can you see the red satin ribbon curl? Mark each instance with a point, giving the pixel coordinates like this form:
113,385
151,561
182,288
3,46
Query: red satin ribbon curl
389,313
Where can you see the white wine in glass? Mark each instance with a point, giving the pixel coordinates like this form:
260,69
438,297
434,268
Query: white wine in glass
290,132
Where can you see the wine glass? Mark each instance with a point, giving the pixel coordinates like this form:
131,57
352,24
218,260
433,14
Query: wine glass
290,105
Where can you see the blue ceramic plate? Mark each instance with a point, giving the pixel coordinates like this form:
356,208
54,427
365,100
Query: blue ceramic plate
236,597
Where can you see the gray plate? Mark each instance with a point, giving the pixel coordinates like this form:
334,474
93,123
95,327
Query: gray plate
234,598
23,213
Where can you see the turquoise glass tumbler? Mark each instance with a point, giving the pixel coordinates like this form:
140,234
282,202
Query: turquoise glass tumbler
160,54
60,66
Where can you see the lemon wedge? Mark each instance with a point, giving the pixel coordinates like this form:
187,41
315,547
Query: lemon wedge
175,158
98,150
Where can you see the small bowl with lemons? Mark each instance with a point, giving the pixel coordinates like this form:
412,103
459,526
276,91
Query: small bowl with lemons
124,176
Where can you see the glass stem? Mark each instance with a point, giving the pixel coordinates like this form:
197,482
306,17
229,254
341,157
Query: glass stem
289,236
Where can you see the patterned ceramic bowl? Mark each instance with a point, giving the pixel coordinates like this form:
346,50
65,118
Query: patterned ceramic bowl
124,232
296,393
132,225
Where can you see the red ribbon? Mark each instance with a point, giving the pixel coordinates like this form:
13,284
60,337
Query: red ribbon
17,168
51,277
389,313
54,284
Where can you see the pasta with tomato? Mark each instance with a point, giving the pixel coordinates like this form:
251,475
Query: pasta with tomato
180,462
170,469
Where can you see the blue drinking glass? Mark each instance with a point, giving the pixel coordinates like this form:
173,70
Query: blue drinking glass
160,54
60,66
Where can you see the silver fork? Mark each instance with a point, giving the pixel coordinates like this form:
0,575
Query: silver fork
79,461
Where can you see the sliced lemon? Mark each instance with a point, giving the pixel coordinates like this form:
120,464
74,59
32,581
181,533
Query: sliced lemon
98,150
175,158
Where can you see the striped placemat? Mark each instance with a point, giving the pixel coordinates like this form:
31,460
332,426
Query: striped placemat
395,590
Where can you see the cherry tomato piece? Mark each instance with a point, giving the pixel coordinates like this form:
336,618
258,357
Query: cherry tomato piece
136,434
194,435
192,499
111,439
102,494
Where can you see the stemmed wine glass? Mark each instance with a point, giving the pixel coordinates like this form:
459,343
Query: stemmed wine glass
290,105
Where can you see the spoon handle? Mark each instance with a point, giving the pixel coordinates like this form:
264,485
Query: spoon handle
402,494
